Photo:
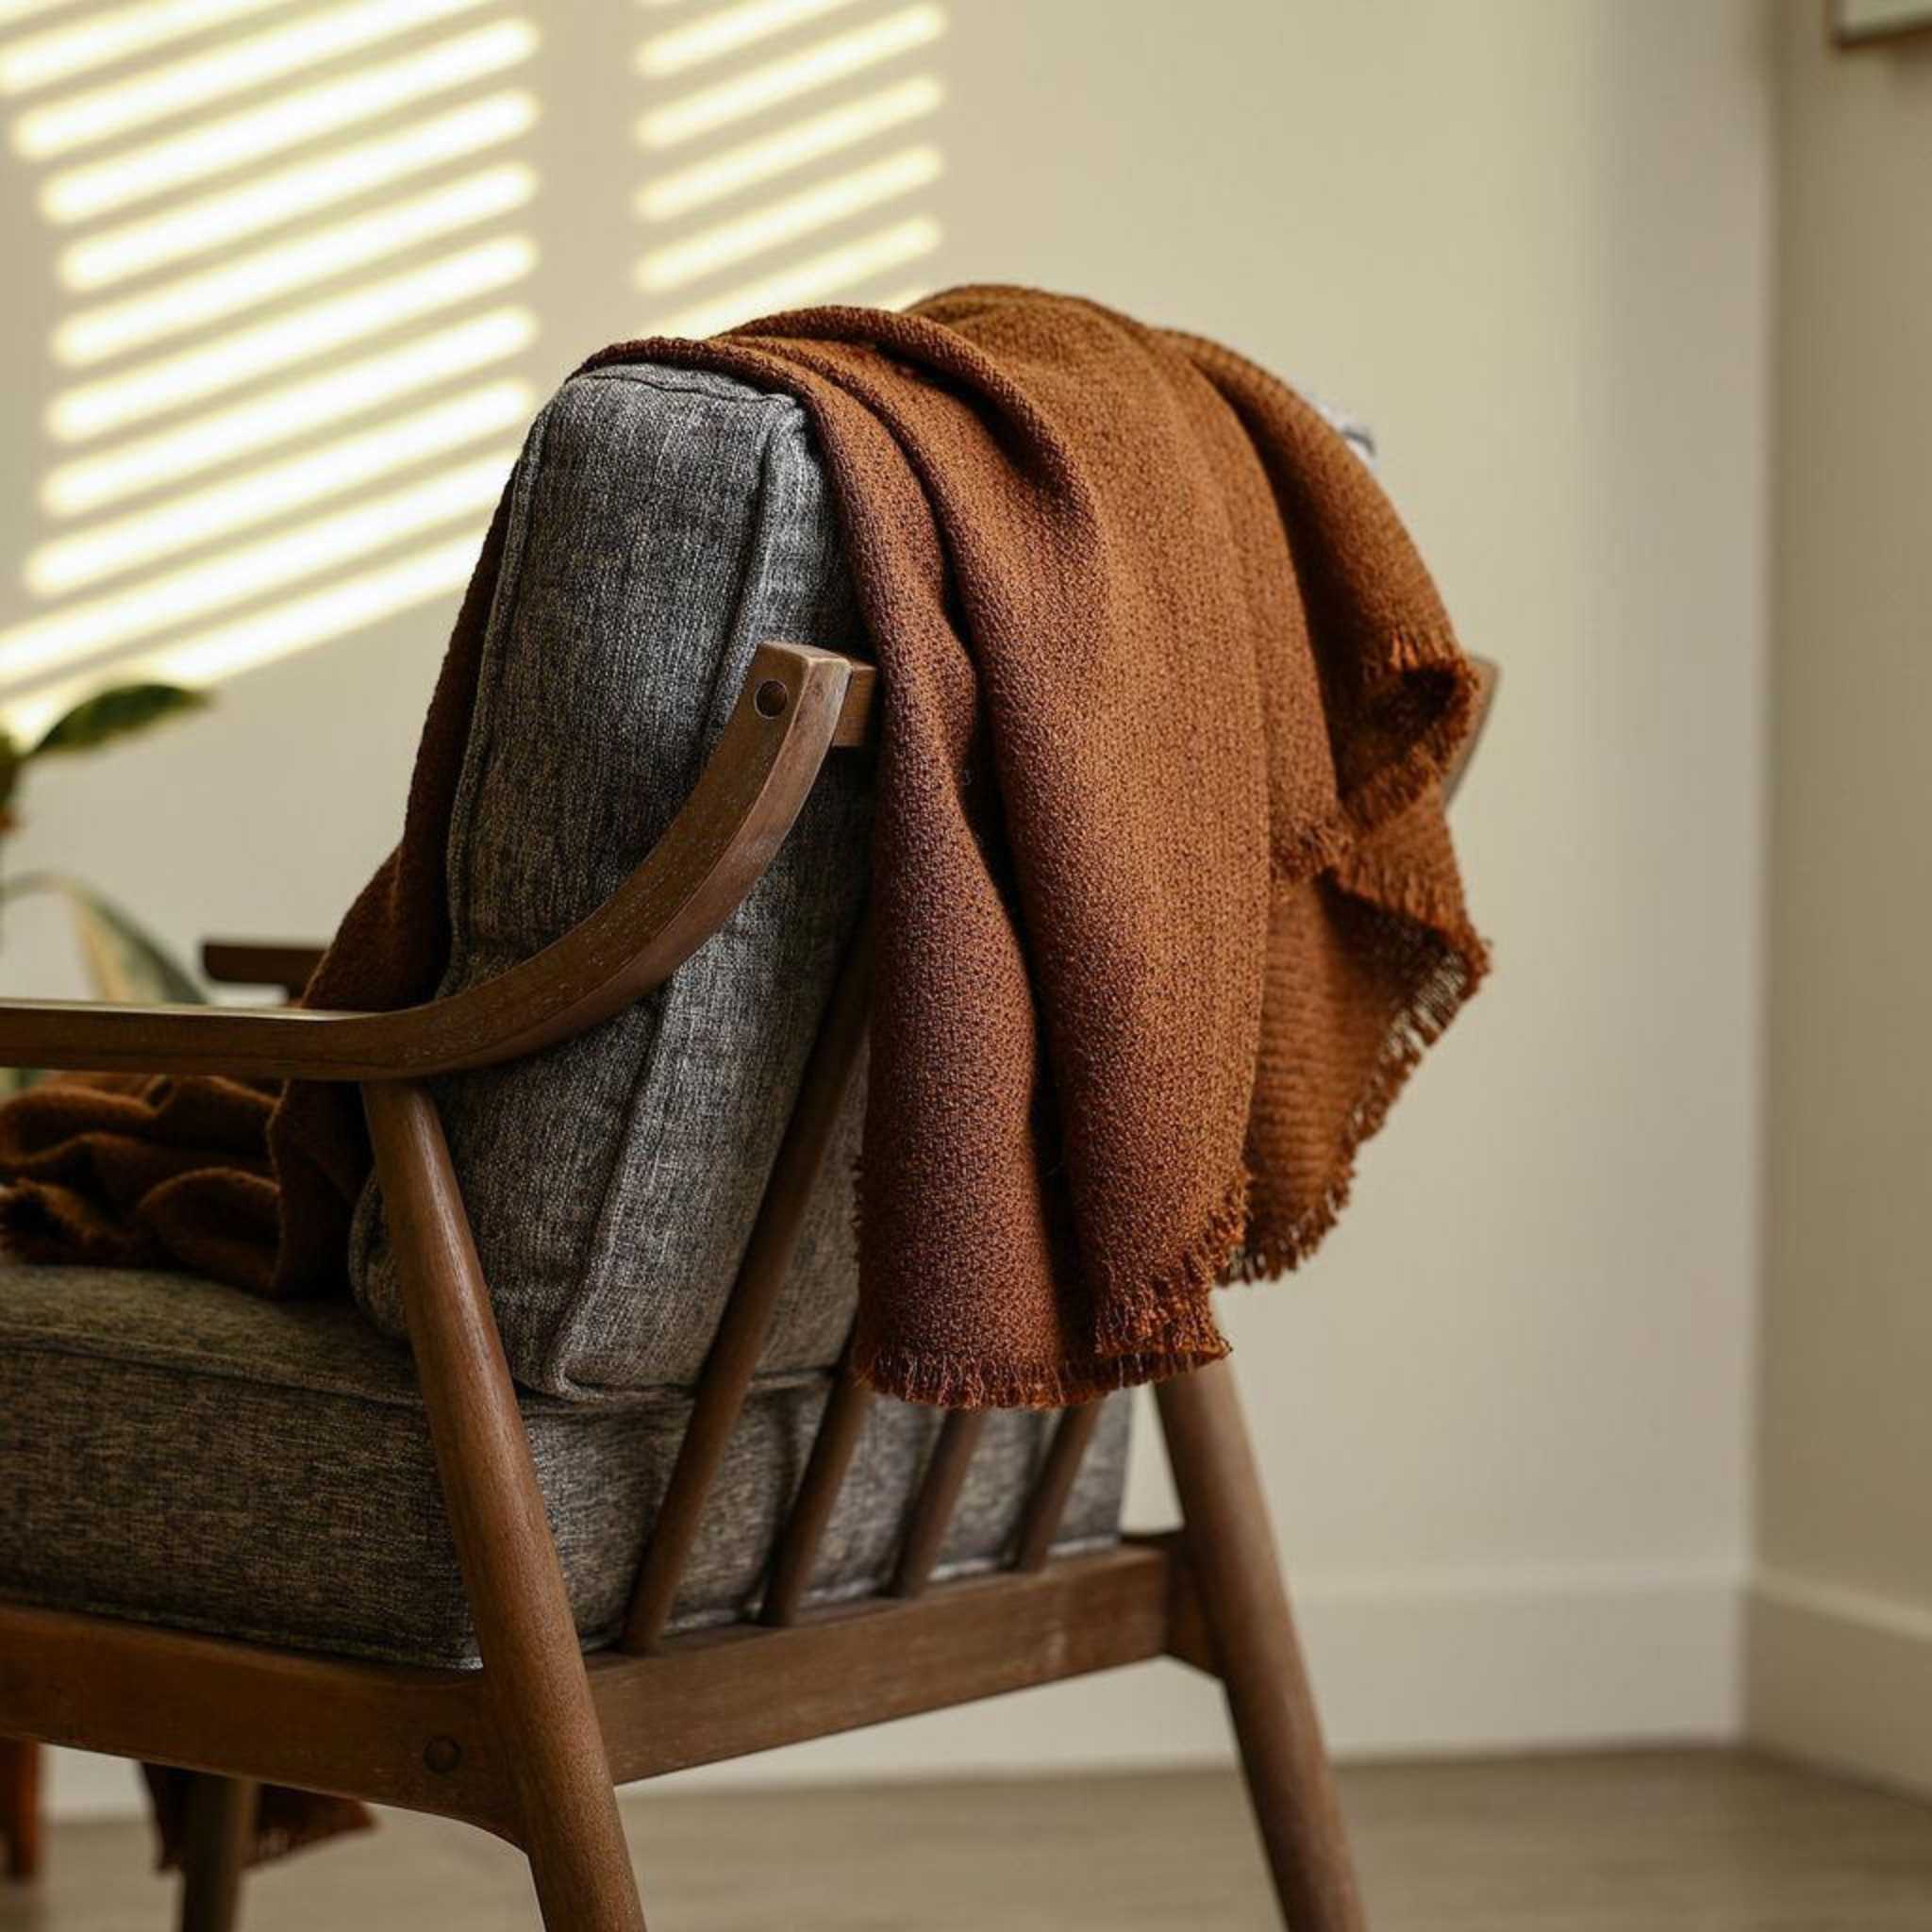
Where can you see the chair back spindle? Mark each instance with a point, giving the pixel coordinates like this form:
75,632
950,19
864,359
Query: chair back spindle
735,1350
840,1425
939,1495
1046,1502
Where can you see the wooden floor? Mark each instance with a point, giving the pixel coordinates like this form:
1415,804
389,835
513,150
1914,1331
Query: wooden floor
1651,1843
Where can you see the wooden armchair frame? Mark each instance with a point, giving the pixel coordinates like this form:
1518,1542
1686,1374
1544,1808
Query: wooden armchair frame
532,1746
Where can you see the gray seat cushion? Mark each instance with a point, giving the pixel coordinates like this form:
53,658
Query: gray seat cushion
181,1452
664,524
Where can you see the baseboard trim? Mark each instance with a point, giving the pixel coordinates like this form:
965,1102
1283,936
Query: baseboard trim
1528,1658
1842,1679
1422,1662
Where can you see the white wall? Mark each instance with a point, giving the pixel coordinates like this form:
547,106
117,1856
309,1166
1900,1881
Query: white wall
1842,1615
1505,1417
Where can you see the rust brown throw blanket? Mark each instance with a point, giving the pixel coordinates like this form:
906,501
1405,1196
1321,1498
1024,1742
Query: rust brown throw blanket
1165,904
1166,908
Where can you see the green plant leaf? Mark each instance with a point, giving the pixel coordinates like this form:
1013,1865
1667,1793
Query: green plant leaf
125,961
118,711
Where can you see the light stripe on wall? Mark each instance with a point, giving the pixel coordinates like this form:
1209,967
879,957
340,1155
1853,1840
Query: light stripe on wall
786,158
295,243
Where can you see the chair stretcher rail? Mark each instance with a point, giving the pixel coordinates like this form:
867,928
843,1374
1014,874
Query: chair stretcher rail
365,1730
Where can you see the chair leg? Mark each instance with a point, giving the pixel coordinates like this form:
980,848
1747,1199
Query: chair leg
1230,1547
20,1806
533,1671
219,1823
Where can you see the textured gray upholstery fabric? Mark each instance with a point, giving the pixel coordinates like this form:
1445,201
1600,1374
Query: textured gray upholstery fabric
181,1452
665,523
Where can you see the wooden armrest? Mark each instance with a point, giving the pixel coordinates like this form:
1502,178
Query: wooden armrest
291,963
796,704
286,964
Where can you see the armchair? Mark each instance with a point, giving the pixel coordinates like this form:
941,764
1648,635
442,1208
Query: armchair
577,1577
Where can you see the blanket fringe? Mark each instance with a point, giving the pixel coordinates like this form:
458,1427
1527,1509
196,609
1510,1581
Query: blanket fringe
1423,673
1272,1251
1156,1329
948,1381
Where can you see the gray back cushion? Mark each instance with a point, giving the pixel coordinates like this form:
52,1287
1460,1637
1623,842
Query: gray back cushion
664,524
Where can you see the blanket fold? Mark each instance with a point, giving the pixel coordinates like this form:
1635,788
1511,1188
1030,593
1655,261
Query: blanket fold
1165,900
